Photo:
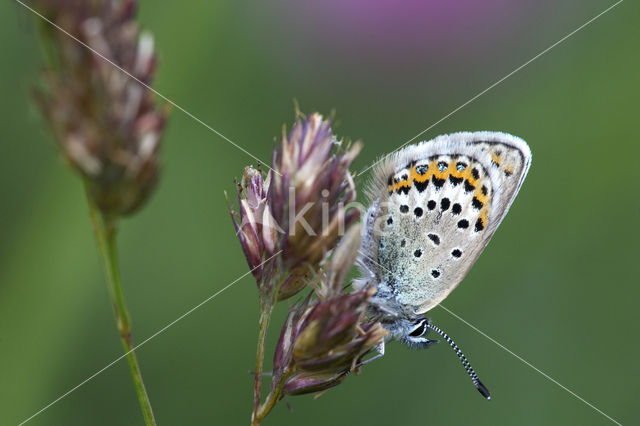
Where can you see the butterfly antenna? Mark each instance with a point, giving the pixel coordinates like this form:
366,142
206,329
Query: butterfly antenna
463,359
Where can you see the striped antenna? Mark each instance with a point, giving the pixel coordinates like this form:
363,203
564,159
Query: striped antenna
463,359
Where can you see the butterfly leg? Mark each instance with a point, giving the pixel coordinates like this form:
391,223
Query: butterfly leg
380,352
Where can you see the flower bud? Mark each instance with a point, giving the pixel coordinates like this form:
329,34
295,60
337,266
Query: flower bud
323,341
326,338
330,334
299,210
254,225
311,185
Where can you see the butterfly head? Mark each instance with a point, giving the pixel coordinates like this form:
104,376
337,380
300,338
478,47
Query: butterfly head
414,334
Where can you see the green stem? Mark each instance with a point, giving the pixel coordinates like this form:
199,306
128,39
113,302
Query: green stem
105,229
273,397
266,308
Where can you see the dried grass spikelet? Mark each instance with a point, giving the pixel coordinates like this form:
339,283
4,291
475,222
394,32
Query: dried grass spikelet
105,122
325,338
299,209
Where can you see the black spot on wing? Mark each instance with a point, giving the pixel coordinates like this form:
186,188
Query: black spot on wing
403,190
468,187
477,204
434,238
455,180
421,186
463,224
437,182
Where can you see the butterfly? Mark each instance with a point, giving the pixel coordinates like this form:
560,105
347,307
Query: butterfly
434,207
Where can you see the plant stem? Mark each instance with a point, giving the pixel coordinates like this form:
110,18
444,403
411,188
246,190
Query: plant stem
273,397
105,229
266,308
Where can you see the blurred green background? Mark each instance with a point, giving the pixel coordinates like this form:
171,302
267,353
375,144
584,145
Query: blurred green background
558,285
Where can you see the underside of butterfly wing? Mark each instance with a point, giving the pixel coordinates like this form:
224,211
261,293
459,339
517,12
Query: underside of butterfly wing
435,206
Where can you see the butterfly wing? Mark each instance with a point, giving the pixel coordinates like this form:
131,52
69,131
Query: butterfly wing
435,206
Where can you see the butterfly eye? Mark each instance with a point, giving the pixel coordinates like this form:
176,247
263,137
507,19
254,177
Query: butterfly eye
420,329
